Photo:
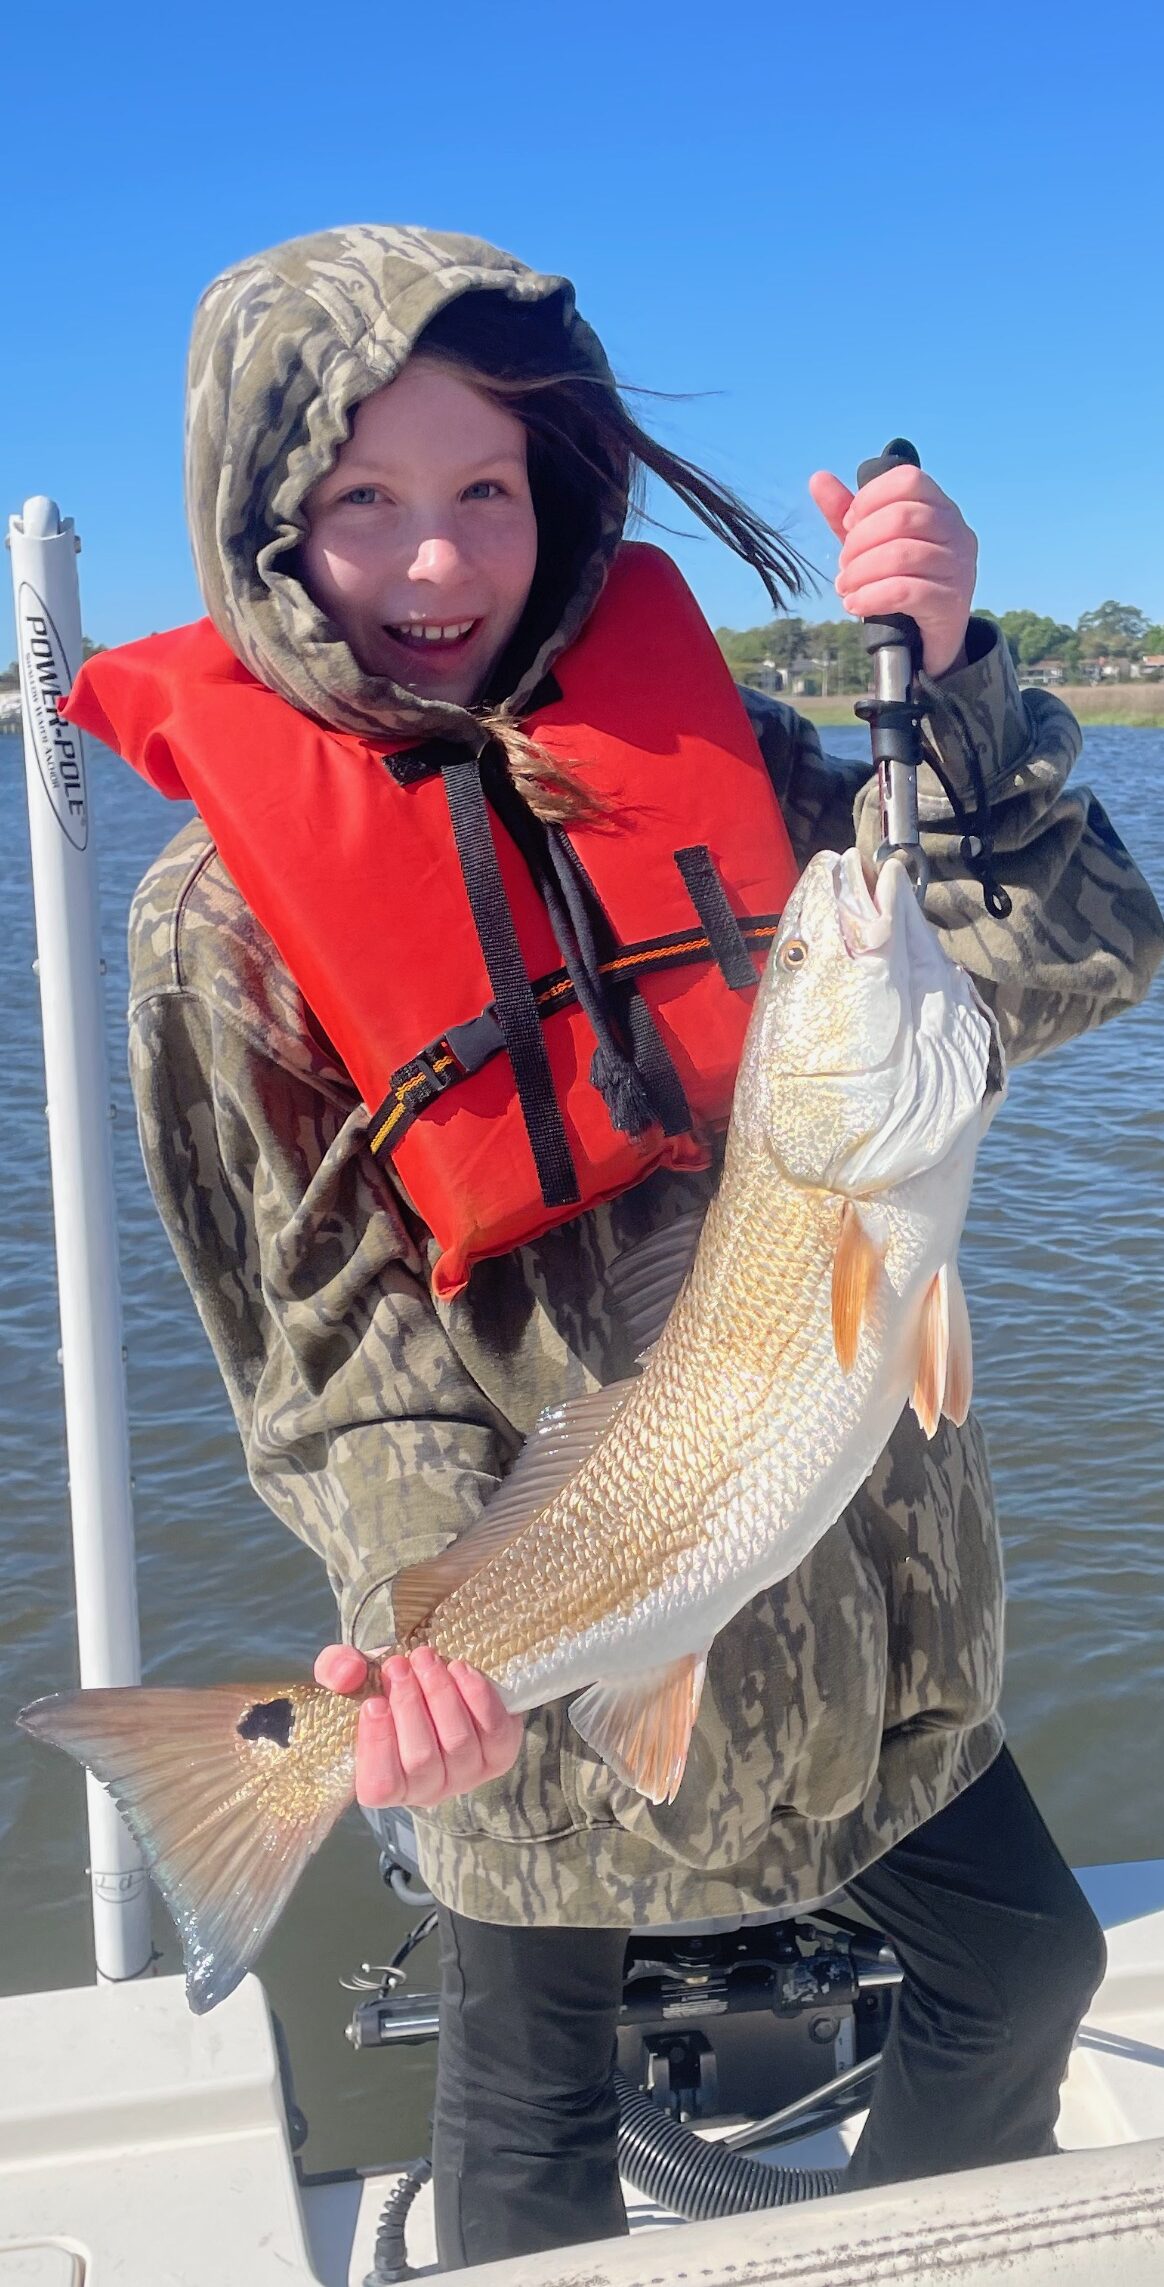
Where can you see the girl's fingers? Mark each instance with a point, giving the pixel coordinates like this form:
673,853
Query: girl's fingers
933,519
431,1730
419,1748
898,484
341,1668
833,499
941,615
844,510
908,549
914,597
380,1779
500,1732
456,1732
905,560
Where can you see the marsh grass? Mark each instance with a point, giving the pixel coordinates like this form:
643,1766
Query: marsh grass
1140,705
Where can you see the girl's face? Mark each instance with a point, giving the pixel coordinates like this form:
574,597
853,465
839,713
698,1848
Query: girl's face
422,539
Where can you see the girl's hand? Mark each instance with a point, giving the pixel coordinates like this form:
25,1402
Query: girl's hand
431,1731
907,549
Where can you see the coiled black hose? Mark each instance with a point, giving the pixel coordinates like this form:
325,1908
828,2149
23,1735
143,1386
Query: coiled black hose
661,2158
698,2180
390,2261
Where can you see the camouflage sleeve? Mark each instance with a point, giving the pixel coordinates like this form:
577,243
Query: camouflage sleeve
361,1427
1084,934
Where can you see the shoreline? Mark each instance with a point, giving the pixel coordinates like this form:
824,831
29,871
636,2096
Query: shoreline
1128,706
1131,706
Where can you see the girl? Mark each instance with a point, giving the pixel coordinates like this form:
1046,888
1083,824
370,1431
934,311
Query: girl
434,733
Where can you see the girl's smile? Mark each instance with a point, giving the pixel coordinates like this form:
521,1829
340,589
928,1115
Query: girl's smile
422,539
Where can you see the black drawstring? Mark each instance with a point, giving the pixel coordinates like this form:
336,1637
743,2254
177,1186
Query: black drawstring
611,1070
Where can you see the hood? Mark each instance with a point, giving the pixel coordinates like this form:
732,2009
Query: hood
286,344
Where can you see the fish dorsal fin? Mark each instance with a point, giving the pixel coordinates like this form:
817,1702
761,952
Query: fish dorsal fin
643,1729
558,1444
857,1266
229,1791
944,1380
643,1282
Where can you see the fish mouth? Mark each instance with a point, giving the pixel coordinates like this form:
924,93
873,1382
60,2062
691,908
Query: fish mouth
865,909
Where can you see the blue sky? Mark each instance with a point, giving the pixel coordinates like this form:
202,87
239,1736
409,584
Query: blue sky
824,226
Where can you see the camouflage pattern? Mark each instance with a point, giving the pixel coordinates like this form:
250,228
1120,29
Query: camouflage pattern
850,1703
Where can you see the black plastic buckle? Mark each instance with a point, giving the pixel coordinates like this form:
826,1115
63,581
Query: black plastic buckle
474,1042
423,1062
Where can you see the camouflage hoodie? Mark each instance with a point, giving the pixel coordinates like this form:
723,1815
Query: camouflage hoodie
844,1706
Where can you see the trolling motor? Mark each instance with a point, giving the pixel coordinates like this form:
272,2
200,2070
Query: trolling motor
894,713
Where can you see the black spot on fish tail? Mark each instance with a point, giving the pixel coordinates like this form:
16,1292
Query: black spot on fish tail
268,1719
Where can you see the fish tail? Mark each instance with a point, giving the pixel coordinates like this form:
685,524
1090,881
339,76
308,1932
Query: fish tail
229,1791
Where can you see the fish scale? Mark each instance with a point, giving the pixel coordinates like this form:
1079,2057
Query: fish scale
716,1402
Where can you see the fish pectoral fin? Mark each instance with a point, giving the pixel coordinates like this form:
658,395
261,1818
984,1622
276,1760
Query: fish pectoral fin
643,1729
557,1445
857,1266
229,1792
944,1380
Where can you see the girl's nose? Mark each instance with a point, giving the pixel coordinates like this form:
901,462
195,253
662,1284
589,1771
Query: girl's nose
435,559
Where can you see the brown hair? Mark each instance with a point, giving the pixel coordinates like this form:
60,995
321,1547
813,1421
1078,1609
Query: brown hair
588,463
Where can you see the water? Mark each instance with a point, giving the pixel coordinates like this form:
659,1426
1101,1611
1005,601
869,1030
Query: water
1064,1267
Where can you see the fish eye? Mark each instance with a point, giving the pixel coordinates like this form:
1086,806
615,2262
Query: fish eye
793,953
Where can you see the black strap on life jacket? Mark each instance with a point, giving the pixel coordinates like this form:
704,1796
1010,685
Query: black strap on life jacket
512,992
709,897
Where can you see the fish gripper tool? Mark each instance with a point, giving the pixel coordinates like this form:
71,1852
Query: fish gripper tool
894,713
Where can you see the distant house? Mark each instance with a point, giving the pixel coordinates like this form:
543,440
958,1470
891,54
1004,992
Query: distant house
1149,667
1045,671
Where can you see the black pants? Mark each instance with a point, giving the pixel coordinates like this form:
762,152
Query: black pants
1000,1953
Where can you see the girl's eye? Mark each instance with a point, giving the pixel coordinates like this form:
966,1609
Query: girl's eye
484,489
360,495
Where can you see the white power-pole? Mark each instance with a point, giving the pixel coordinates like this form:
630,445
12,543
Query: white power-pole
64,876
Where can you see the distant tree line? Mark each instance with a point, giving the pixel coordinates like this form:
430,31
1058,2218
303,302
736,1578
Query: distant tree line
828,656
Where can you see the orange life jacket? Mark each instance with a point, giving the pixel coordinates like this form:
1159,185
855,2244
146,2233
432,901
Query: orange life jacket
423,976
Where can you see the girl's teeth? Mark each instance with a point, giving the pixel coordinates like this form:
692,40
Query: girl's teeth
426,634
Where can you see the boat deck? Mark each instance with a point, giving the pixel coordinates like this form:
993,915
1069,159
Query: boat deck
141,2145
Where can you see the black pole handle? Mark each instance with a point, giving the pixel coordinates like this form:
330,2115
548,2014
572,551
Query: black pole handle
898,454
896,627
893,714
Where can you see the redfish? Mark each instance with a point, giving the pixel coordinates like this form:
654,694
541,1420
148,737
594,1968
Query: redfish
823,1296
